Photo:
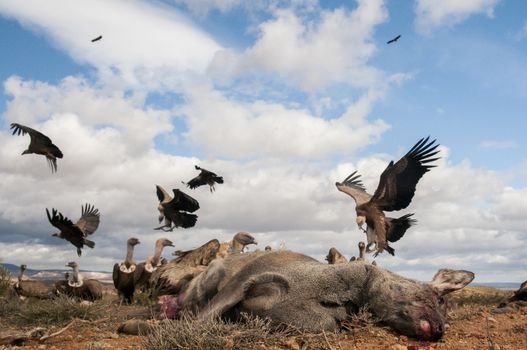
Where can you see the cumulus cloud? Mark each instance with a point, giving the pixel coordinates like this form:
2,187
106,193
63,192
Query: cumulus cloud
431,15
312,52
229,128
144,43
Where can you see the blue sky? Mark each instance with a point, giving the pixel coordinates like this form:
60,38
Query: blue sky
299,93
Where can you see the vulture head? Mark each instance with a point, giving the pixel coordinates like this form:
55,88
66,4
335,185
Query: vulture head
165,242
133,241
72,264
361,220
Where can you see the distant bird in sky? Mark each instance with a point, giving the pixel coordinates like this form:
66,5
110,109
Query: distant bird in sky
395,192
76,233
39,144
96,39
205,178
176,210
394,39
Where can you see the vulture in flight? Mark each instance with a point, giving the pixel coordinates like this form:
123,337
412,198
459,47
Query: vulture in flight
205,177
394,39
395,192
96,39
76,233
40,144
176,210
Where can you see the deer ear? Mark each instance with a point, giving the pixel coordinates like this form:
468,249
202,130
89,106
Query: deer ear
446,281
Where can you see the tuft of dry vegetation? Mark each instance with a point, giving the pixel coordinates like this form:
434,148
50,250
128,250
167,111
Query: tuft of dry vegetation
57,311
188,332
477,296
5,280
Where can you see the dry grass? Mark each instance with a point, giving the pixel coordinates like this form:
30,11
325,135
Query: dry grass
192,333
5,280
57,311
477,296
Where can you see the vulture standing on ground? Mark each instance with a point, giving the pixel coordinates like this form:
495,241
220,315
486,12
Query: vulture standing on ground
205,178
25,288
39,144
521,293
76,233
144,270
78,287
395,192
176,210
240,241
123,273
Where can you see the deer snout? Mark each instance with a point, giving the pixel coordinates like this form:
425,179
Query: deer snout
429,331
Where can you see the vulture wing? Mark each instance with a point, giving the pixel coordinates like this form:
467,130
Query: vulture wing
115,276
63,223
37,138
398,181
196,182
40,144
352,186
89,220
182,201
162,195
180,219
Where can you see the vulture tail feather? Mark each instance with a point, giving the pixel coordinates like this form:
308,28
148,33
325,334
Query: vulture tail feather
89,243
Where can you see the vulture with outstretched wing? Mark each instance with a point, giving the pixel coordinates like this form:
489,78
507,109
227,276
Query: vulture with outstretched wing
176,210
76,233
96,39
40,144
395,192
205,177
393,40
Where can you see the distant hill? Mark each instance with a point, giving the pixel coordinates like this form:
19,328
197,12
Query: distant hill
55,274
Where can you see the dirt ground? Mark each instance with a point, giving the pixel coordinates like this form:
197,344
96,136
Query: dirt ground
471,326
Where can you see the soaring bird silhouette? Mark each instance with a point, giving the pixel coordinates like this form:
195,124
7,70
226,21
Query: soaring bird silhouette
40,144
175,210
393,40
96,39
395,192
76,233
205,178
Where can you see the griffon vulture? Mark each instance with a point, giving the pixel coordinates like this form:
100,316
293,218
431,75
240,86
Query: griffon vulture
39,144
205,178
176,210
240,241
96,39
144,270
395,192
26,288
76,233
393,40
78,287
123,273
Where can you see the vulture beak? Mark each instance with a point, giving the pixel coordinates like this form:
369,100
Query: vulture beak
360,222
56,235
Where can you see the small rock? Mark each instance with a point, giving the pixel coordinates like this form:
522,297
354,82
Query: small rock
43,346
113,336
492,319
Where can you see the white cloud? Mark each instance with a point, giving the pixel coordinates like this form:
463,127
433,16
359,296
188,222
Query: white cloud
144,43
432,15
227,128
313,52
202,7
